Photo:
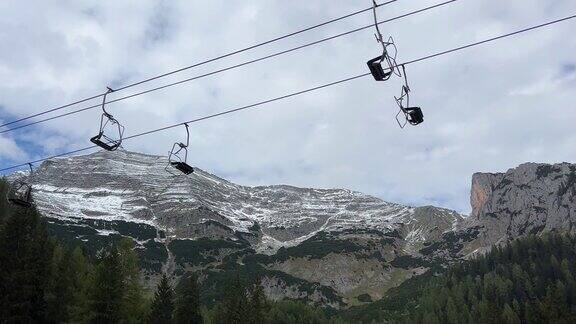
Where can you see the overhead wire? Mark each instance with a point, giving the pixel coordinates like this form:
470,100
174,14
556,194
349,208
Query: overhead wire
230,67
229,54
488,40
427,57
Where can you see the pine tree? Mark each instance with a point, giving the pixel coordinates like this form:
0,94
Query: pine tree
25,253
234,307
81,272
561,298
570,282
431,318
509,315
5,208
516,307
59,291
531,314
106,290
163,303
291,312
465,315
133,301
555,266
452,312
257,304
187,309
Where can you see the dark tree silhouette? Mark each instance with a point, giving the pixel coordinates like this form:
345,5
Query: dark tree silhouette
187,310
163,303
25,253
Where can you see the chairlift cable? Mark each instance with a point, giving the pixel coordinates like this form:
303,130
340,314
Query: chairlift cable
307,90
223,69
488,40
235,52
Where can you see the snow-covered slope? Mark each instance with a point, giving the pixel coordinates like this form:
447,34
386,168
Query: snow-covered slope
136,188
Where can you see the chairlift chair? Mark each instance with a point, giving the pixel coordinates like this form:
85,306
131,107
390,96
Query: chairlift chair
102,139
375,64
178,156
412,115
20,194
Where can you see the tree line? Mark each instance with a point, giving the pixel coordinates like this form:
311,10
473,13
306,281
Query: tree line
530,280
43,281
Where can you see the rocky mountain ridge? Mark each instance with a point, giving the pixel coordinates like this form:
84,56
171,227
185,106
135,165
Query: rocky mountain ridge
125,186
328,246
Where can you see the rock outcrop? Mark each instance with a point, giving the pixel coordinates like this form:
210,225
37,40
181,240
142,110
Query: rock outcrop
530,199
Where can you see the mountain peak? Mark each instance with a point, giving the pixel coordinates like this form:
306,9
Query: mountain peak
134,187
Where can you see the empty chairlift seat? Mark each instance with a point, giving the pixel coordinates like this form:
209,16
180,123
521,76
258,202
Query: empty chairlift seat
182,167
412,115
20,193
375,66
178,156
103,140
108,126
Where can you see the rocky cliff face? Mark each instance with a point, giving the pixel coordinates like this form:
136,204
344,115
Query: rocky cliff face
483,184
327,246
529,199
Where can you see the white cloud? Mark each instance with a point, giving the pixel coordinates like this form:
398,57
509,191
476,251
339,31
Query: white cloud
486,109
9,150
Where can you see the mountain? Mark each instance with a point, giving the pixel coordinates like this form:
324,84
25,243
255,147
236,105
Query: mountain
331,247
531,199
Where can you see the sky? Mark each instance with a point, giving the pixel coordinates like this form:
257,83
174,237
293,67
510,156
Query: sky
486,109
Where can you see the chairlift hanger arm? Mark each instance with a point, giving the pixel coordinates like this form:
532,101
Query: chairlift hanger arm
187,135
405,77
375,65
378,34
405,94
109,90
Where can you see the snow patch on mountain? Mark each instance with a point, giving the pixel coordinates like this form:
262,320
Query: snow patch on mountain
136,188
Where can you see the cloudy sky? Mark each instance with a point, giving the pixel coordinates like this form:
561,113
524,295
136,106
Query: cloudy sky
487,109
